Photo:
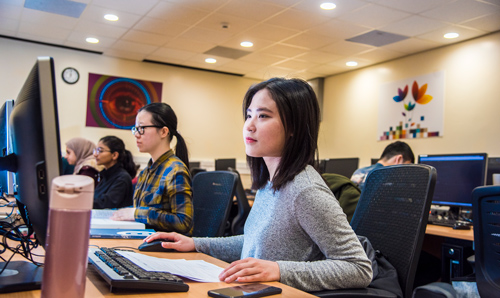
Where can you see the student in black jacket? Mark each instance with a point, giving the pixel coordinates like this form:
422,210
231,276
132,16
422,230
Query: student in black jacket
114,189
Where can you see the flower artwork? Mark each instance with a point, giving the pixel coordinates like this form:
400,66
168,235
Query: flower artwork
414,109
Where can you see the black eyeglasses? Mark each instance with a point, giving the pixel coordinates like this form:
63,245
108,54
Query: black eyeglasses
99,150
140,129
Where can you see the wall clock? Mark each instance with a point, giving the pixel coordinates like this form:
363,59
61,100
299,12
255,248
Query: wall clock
70,75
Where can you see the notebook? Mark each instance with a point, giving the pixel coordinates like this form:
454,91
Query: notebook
120,233
101,220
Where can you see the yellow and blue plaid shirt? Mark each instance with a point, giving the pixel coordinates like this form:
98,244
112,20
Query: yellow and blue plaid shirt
163,195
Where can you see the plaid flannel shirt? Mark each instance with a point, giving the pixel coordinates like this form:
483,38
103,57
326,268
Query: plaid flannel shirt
163,195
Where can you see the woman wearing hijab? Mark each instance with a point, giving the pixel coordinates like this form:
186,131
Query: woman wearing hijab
80,153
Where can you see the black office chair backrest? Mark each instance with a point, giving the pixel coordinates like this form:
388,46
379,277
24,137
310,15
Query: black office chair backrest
238,222
212,198
486,214
392,212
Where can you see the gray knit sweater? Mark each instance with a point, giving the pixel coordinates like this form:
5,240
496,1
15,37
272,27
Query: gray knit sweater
304,230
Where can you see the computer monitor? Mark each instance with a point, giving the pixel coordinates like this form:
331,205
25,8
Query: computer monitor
341,166
36,149
374,160
457,176
6,177
493,168
225,163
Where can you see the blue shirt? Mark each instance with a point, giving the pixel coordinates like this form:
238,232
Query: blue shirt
359,176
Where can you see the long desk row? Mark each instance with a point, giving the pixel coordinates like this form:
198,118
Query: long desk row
96,287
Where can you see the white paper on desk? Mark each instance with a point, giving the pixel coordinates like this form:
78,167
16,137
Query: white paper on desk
197,270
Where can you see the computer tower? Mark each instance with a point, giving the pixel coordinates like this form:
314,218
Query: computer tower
454,261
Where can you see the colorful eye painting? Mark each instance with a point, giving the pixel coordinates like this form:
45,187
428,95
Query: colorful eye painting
113,102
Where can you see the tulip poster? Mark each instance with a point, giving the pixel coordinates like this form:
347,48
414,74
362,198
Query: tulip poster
412,108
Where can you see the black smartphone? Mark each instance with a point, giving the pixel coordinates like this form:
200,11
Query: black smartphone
247,291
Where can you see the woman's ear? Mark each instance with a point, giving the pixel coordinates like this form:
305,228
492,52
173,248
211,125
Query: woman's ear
164,132
115,155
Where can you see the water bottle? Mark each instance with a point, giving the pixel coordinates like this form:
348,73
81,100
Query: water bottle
66,246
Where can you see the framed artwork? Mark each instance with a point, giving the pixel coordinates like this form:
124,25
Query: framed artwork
113,102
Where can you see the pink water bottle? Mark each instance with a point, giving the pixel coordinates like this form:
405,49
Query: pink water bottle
66,246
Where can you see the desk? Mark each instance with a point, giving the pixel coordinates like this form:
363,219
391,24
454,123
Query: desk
450,232
96,287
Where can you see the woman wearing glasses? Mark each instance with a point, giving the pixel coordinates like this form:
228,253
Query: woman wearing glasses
79,152
115,181
163,194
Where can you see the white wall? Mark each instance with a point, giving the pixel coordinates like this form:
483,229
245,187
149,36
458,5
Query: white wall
471,108
208,105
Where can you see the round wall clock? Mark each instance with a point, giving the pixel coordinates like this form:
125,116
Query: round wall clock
70,75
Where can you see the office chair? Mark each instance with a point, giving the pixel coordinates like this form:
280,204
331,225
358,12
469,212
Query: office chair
486,214
238,222
392,213
212,198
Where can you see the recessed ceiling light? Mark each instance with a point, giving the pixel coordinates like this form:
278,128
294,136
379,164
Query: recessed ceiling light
352,63
451,35
111,17
210,60
92,40
246,44
327,6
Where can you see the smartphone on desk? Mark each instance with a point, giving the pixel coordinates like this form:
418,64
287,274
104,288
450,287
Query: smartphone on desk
246,291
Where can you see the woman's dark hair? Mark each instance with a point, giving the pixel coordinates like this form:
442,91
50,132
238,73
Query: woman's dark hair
299,112
163,115
125,158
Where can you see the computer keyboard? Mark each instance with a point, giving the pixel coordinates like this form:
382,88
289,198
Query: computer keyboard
120,273
446,222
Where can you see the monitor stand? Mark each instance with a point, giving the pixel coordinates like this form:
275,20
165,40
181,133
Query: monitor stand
20,276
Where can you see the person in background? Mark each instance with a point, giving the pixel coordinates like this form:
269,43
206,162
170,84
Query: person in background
296,232
163,194
394,154
67,169
115,181
80,153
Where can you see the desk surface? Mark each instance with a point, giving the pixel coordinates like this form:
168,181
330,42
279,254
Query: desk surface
97,287
450,232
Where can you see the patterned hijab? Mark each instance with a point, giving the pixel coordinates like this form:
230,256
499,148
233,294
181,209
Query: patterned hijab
84,150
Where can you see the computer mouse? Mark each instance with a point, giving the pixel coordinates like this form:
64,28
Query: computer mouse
155,246
461,226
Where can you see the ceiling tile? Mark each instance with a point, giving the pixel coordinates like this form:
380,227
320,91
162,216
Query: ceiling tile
318,57
379,55
176,13
339,30
295,64
437,35
11,9
96,14
235,42
130,6
260,57
461,10
171,53
8,26
44,30
411,45
326,69
163,27
48,19
190,45
93,28
489,23
270,32
411,6
413,26
233,25
297,19
309,41
374,16
211,5
346,48
253,10
343,6
146,38
206,35
78,38
242,66
134,47
284,50
124,54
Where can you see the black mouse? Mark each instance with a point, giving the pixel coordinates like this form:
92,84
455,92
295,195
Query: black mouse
461,226
155,246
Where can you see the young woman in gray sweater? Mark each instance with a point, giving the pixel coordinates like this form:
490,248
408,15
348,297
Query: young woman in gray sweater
296,232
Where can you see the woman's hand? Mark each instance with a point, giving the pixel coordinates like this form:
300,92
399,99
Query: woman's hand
124,214
173,240
250,270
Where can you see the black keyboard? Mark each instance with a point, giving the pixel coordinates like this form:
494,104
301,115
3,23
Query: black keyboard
446,222
121,273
